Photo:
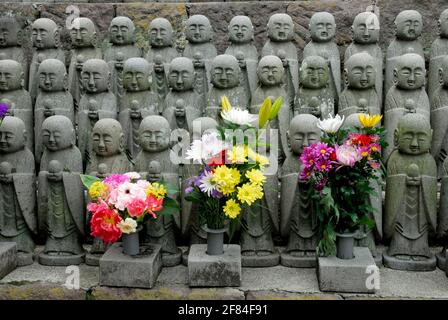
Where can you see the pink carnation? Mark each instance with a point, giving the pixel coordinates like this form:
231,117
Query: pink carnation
114,180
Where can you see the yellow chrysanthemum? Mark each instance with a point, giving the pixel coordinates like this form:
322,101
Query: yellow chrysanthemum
256,176
226,189
232,209
222,175
236,176
237,154
249,193
98,190
157,190
262,160
368,121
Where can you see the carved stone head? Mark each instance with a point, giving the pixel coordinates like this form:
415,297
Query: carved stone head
409,25
154,134
82,33
280,27
360,71
11,75
45,34
225,71
52,75
198,29
366,28
121,31
160,33
443,24
409,72
137,75
95,76
12,135
443,72
314,72
270,71
10,32
181,74
322,27
58,133
302,132
241,30
107,138
413,134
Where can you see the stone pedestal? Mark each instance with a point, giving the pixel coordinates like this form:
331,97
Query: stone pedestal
340,275
304,261
61,260
214,271
409,265
441,260
93,259
8,258
258,261
140,271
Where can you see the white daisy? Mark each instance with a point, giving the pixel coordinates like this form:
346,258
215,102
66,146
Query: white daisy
207,185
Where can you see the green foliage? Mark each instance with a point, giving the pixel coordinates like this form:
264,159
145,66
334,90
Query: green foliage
88,180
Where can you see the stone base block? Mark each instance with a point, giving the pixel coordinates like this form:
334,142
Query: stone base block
171,260
185,257
214,271
120,270
61,260
302,261
441,260
256,261
24,259
409,265
340,275
8,258
93,259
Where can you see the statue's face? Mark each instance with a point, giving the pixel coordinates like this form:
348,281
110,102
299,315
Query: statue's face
280,28
414,139
367,29
361,76
303,135
11,75
136,77
240,30
12,136
82,33
105,141
181,76
160,33
314,75
8,32
43,34
56,135
121,31
443,23
409,26
411,75
225,75
51,77
271,74
154,137
95,78
198,30
322,28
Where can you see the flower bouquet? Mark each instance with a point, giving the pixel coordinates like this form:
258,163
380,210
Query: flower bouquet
341,168
232,178
120,202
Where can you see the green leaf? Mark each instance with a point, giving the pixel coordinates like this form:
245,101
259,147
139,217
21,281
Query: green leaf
170,206
276,107
88,180
265,110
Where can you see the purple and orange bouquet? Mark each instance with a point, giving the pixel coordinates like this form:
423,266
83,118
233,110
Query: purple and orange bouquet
341,168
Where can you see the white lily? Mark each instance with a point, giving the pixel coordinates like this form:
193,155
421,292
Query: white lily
331,125
239,116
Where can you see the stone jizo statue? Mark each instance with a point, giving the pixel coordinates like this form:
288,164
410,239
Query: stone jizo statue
438,51
442,221
161,41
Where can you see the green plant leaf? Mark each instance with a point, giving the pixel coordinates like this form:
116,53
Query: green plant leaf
88,180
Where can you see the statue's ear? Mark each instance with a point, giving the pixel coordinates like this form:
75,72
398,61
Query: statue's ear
195,75
150,79
395,76
345,77
25,137
396,134
121,143
109,81
439,27
288,140
20,37
65,82
94,41
57,38
73,137
441,76
352,32
22,80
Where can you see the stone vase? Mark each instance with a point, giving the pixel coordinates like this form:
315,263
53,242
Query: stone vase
215,241
344,245
130,243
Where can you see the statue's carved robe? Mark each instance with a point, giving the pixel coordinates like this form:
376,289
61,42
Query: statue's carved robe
61,213
23,109
375,51
193,108
394,109
167,54
410,210
442,223
74,81
330,52
398,48
110,56
160,85
162,230
61,104
107,108
298,211
33,83
16,53
237,98
18,219
292,70
439,125
148,103
323,95
207,49
439,49
349,101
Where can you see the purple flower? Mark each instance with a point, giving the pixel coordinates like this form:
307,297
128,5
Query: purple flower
189,190
4,107
216,194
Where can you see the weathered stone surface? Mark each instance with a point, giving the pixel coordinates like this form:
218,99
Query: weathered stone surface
143,13
39,291
282,295
214,271
120,270
342,275
8,258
